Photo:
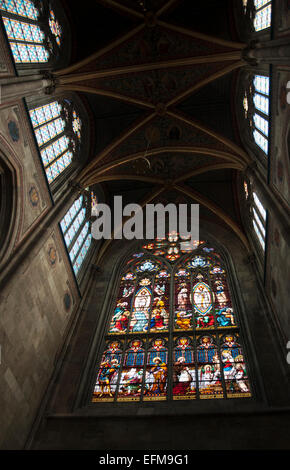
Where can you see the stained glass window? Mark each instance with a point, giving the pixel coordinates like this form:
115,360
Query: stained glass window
174,332
260,119
76,232
51,124
263,14
55,27
26,37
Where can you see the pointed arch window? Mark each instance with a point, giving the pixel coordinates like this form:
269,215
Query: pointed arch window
25,25
57,135
76,230
174,332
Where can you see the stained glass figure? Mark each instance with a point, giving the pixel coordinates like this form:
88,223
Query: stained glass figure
160,306
234,369
76,232
209,369
185,309
156,371
183,319
108,373
141,307
184,372
130,386
120,320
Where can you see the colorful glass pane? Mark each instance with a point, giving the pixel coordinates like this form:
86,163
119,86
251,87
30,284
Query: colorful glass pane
45,113
184,371
199,325
55,27
21,31
48,131
139,322
209,368
131,377
160,306
28,53
155,387
234,369
24,8
120,319
76,124
107,377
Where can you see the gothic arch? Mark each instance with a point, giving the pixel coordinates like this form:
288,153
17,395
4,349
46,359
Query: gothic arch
8,204
95,355
81,147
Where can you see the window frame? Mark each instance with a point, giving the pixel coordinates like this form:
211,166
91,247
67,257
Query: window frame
109,308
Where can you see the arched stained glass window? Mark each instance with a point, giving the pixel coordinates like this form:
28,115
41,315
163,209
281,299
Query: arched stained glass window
25,25
174,332
76,231
58,139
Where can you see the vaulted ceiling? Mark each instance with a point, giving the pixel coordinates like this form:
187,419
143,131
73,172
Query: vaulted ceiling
159,77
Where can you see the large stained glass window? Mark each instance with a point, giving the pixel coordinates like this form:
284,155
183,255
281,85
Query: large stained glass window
77,234
25,31
56,136
174,332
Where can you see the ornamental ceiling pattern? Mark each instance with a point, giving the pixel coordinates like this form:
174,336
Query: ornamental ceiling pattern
155,67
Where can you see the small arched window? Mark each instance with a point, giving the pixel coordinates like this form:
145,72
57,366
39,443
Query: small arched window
76,229
57,129
174,332
32,38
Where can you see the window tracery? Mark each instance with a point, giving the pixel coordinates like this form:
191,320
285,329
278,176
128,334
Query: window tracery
174,333
31,39
57,136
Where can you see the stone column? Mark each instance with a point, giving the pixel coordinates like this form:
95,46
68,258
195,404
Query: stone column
276,51
272,202
21,87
